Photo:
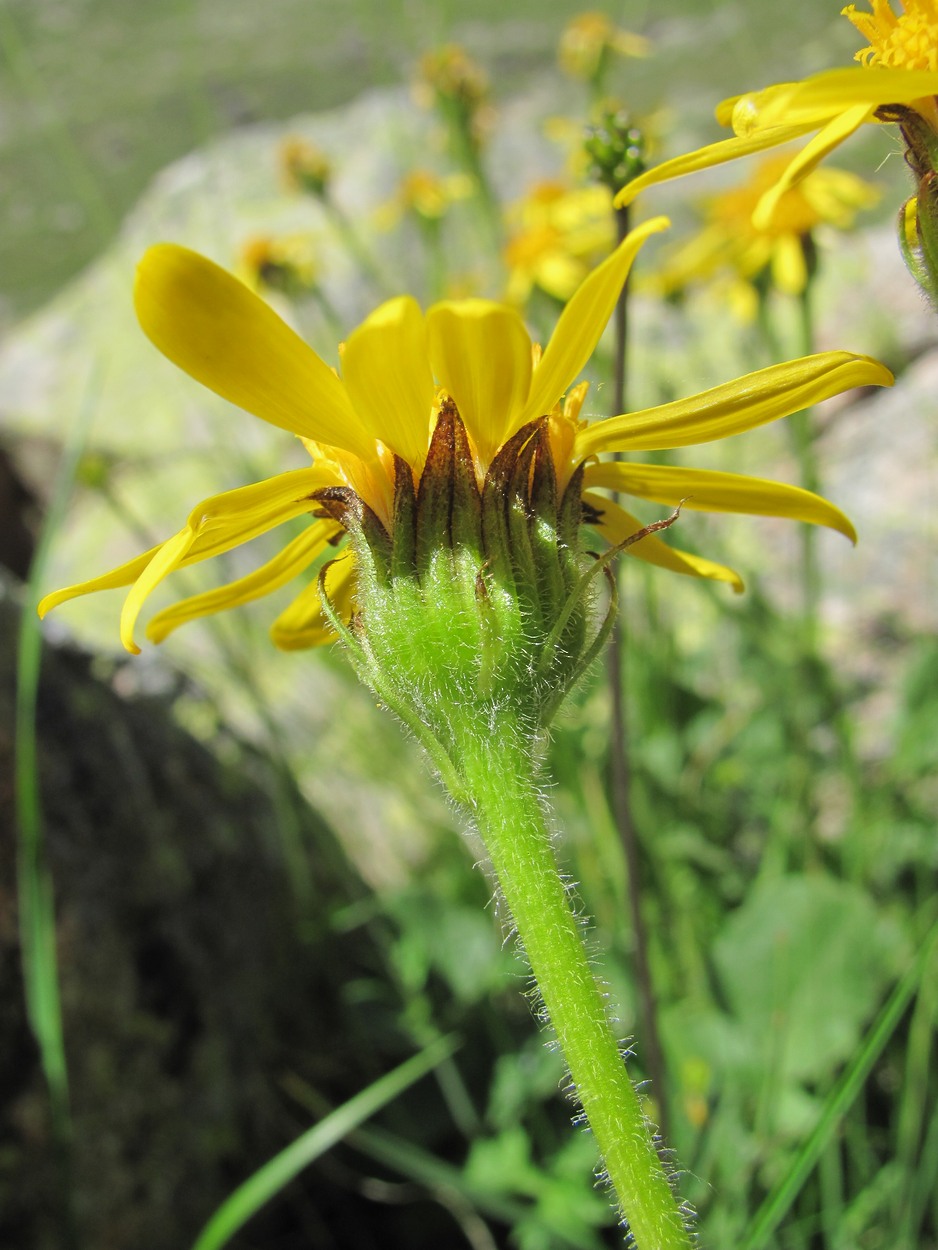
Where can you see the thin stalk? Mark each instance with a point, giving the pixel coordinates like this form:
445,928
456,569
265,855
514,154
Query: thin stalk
431,231
467,154
800,426
499,775
356,247
330,313
802,429
620,762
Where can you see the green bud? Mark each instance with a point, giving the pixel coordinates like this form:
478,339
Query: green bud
616,150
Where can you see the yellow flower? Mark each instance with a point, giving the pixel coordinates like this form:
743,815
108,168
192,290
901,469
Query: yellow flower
429,196
400,370
731,242
450,81
304,166
558,233
450,73
904,42
287,263
897,82
589,38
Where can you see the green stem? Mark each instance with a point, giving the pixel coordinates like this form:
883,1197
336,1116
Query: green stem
500,778
803,434
620,756
431,231
356,248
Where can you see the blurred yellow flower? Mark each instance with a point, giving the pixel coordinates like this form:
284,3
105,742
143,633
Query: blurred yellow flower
469,363
450,72
588,40
730,246
304,166
556,234
897,82
449,81
426,195
285,263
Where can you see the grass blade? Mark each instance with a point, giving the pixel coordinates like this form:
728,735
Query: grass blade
778,1202
440,1178
268,1180
34,880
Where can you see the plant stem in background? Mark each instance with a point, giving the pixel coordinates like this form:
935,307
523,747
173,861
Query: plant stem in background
356,247
802,434
503,798
620,762
803,438
330,313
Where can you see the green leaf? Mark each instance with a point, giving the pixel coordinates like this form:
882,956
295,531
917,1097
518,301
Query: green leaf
803,964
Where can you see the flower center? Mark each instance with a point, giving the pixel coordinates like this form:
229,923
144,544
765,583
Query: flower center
907,41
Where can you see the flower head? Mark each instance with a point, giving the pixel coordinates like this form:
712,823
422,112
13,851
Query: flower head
449,80
425,195
286,263
446,438
896,82
450,73
903,41
589,39
305,167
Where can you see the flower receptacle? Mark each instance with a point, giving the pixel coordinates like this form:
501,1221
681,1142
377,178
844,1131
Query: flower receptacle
478,600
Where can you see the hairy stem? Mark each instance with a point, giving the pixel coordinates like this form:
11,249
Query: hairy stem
499,775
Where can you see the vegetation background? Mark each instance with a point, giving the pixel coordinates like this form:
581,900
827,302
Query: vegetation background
262,903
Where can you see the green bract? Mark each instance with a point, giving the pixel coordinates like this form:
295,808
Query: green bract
478,599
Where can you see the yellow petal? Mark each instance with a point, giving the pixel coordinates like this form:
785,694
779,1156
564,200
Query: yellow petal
236,516
582,322
815,100
708,491
222,334
287,564
386,371
834,133
303,624
123,575
481,353
789,267
713,154
616,524
785,111
215,525
168,558
735,406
